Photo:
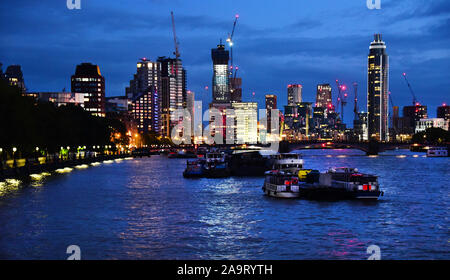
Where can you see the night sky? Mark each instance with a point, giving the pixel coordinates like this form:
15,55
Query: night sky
276,43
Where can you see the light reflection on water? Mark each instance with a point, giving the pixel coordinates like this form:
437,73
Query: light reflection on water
145,209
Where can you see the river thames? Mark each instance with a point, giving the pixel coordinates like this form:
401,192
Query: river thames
145,209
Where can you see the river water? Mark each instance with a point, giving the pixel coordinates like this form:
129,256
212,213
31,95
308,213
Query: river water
145,209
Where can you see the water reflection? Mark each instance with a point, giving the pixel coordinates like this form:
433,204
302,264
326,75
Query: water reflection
145,209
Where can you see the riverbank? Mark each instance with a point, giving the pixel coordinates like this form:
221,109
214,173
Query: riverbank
24,168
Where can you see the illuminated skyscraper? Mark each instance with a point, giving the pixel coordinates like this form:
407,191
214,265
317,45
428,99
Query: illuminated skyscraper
323,97
89,81
172,87
220,81
377,90
144,94
294,94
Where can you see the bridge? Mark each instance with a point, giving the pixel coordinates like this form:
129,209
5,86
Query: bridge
370,148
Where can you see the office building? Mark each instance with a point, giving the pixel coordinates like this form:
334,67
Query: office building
323,97
144,95
377,90
294,94
89,81
443,112
246,121
172,91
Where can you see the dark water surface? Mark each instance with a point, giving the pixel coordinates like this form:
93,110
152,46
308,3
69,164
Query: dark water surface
145,209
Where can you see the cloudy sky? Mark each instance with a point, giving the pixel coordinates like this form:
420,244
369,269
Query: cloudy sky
277,42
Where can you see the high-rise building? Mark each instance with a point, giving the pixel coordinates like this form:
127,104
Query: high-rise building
323,97
294,94
360,127
172,89
190,106
443,112
377,90
88,80
14,76
411,115
145,96
235,90
271,103
220,80
147,74
246,119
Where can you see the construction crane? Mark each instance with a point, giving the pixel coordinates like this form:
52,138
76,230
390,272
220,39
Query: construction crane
355,108
342,99
230,42
411,90
177,51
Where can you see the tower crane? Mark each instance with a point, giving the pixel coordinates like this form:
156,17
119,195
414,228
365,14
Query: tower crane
230,42
177,51
410,89
342,98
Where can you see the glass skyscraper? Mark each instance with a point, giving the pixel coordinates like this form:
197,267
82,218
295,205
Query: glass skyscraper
221,85
377,90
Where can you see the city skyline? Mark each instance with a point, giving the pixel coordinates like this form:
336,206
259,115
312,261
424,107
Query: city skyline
287,64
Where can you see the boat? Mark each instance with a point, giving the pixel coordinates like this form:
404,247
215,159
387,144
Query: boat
437,152
250,162
194,168
281,184
290,162
182,154
340,183
215,165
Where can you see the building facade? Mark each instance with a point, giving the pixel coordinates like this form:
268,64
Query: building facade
324,97
271,103
220,80
60,98
377,90
89,81
443,112
246,122
294,94
235,90
423,124
172,89
144,95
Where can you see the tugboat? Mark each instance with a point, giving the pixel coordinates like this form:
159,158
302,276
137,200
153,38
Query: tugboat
281,184
437,152
194,168
215,165
340,183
